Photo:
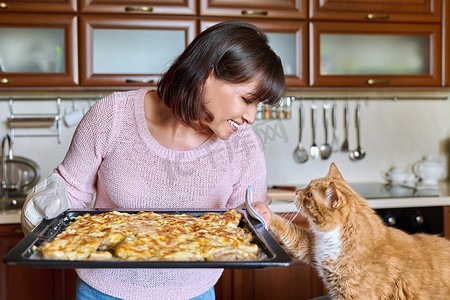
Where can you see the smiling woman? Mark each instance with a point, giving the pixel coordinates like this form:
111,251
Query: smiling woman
188,146
234,52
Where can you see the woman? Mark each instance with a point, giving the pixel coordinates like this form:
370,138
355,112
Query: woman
188,145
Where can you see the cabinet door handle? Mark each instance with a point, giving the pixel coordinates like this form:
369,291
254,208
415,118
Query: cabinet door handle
4,5
4,80
254,12
377,81
16,230
377,16
139,81
141,9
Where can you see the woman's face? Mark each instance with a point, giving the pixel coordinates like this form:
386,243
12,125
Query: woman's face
229,105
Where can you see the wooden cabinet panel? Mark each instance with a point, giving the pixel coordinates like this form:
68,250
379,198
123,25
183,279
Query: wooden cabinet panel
38,6
39,283
152,7
44,65
130,50
446,47
289,40
447,221
284,9
370,42
297,281
377,10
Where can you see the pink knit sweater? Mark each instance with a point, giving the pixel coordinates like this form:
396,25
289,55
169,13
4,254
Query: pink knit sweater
114,155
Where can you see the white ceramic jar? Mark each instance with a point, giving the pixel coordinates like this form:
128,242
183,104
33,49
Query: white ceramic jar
429,171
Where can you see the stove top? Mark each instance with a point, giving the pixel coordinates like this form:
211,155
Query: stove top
381,191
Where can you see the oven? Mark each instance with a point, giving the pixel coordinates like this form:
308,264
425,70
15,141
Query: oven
415,219
409,219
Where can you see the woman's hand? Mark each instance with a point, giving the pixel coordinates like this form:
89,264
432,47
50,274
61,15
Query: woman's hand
45,201
262,209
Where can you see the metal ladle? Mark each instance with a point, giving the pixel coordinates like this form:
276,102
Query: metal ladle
300,153
358,153
334,141
314,150
325,148
344,147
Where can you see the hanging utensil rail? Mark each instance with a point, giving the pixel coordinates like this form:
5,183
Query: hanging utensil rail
370,98
32,121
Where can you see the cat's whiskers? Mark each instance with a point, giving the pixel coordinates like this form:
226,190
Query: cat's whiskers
294,216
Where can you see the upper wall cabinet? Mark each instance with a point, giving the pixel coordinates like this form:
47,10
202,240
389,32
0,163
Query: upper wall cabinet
38,50
446,51
289,41
376,10
130,50
38,6
363,55
284,9
156,7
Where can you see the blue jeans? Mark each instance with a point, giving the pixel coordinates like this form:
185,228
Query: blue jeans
86,292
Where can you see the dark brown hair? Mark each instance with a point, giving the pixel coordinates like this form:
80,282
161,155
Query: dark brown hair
237,51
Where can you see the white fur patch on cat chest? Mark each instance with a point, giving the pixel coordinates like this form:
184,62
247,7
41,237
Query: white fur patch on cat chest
328,245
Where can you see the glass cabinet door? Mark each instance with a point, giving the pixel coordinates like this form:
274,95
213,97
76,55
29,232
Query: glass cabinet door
38,50
288,40
377,10
152,7
284,9
121,51
349,54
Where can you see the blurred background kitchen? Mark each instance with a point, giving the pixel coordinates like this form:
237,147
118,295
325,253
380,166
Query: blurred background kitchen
394,133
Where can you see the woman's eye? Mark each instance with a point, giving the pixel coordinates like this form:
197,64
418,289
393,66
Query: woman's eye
247,101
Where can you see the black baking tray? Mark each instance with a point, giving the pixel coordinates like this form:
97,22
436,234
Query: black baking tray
26,253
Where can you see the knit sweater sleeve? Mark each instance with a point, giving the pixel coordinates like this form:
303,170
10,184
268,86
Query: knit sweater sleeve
250,171
89,145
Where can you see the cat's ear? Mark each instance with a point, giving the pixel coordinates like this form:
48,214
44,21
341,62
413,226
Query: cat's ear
336,198
334,172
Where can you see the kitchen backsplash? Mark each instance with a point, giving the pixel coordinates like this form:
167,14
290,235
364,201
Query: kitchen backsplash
393,133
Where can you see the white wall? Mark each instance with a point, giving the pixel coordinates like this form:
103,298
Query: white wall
393,133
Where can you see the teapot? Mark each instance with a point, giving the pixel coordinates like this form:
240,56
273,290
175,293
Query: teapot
397,176
429,171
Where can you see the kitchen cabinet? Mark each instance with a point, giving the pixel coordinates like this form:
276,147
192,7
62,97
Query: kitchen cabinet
445,47
93,44
284,9
38,50
289,40
447,221
65,6
24,282
152,7
130,50
344,54
376,10
298,281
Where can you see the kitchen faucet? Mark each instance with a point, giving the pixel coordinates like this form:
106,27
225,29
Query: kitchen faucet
9,156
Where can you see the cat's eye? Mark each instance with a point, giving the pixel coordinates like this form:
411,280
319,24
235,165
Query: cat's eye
310,195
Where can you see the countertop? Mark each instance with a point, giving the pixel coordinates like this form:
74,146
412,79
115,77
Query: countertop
282,200
377,195
10,216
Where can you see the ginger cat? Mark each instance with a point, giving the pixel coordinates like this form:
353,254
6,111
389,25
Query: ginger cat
357,256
